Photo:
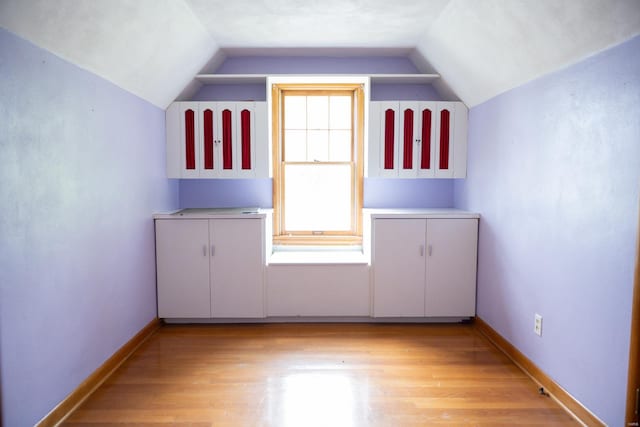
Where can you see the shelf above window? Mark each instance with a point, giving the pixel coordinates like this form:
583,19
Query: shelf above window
234,79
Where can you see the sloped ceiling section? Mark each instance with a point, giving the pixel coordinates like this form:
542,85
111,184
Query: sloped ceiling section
317,23
484,48
151,48
154,48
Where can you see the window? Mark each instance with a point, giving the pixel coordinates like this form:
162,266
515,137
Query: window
317,163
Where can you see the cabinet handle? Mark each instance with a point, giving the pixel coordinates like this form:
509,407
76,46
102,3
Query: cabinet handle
421,250
213,250
204,250
430,250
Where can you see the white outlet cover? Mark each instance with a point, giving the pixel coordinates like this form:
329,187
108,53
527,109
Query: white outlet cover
537,326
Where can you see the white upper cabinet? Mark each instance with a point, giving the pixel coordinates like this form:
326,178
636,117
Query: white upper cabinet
217,140
417,139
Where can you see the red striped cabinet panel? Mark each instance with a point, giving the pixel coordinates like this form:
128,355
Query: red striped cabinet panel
217,140
417,139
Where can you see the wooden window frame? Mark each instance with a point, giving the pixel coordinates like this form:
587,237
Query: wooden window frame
311,237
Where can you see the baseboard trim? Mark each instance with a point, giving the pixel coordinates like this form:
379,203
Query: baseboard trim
99,376
559,394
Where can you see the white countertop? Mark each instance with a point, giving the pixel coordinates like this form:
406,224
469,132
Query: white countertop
420,213
206,213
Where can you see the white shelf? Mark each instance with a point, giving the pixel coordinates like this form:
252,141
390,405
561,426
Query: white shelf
234,79
231,79
404,78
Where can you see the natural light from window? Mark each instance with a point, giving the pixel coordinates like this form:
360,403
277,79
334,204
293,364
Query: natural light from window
317,156
317,163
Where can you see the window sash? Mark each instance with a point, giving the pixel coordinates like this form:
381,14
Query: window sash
299,235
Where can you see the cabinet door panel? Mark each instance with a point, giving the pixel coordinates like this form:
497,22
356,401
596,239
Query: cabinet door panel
228,153
425,156
398,259
452,246
190,146
408,139
182,256
387,138
237,268
445,139
246,139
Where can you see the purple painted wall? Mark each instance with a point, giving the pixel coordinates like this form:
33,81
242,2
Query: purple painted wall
378,193
408,193
398,92
317,65
82,170
554,169
257,92
226,193
236,92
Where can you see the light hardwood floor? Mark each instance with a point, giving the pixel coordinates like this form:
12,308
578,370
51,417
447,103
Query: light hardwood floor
306,375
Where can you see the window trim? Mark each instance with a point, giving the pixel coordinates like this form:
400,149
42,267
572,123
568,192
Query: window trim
354,236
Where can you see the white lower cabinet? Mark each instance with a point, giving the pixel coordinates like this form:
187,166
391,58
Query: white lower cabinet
210,268
424,267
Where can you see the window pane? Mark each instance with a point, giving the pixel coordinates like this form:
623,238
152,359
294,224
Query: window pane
340,112
317,197
340,145
317,112
295,146
295,112
318,146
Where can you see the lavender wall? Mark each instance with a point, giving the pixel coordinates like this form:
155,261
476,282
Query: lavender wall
408,193
554,169
401,92
82,170
378,193
235,92
226,193
317,65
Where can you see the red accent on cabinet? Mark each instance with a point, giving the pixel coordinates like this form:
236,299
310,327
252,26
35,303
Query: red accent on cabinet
425,157
407,158
389,126
227,153
208,138
190,139
444,139
245,120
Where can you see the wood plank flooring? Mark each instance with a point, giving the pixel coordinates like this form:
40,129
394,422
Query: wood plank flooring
308,375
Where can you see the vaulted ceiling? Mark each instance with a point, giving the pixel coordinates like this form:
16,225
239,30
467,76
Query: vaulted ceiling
481,48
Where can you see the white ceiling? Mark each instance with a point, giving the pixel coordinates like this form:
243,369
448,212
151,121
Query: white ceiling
153,48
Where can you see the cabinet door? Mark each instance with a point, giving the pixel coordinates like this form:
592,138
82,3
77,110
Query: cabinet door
183,140
452,246
246,139
386,140
398,267
409,129
445,122
227,145
209,116
237,265
426,134
182,256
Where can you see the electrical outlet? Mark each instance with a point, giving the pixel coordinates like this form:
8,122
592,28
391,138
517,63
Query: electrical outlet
537,325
